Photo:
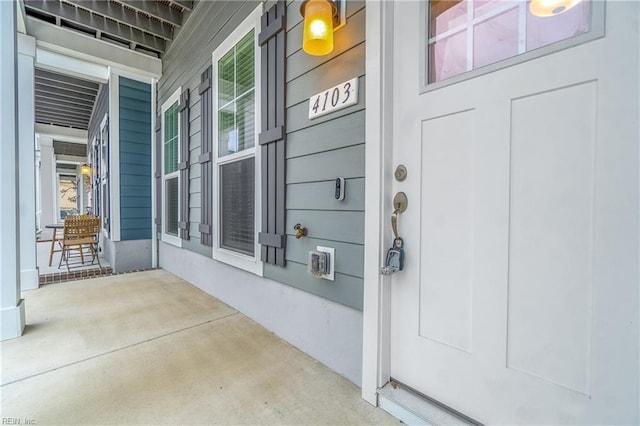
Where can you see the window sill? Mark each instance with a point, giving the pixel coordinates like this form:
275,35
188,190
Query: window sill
240,261
171,239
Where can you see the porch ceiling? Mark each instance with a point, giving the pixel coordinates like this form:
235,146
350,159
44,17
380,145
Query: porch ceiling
145,26
62,100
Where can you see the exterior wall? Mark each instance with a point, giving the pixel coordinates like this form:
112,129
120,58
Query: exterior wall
124,256
189,55
99,110
318,152
135,159
328,331
320,317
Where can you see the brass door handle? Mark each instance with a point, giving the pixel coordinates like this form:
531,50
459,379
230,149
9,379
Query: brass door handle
400,203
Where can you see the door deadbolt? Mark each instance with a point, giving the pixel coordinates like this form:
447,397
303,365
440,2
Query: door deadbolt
400,173
400,202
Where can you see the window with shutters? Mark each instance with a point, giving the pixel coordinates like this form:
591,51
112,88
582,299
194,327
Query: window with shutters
170,172
235,129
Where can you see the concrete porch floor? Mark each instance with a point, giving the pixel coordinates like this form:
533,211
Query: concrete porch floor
149,348
43,249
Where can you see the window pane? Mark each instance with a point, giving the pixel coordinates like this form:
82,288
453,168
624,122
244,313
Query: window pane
171,186
485,7
496,38
244,64
226,72
245,121
237,206
447,15
236,98
68,200
171,139
227,134
547,30
448,57
468,34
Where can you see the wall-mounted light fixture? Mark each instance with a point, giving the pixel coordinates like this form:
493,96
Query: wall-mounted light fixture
85,170
546,8
321,19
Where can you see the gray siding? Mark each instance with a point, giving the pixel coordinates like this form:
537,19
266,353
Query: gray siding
189,55
100,108
318,151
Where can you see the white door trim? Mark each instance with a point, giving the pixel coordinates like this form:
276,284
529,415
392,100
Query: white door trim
378,172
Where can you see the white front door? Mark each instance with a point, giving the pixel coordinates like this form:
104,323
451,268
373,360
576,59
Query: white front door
518,302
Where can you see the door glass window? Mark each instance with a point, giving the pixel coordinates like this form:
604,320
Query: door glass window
464,35
68,196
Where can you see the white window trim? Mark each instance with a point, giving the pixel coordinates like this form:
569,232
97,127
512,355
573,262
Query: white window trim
248,263
168,238
58,188
105,175
596,31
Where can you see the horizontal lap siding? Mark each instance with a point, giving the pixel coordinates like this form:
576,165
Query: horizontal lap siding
320,150
135,159
187,57
317,151
100,109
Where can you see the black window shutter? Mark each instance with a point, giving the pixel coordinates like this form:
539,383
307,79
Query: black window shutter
273,135
183,109
158,175
206,157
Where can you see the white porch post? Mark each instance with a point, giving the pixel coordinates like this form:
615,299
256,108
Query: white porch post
47,181
27,184
11,306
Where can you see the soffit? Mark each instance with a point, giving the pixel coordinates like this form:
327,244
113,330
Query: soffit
63,100
145,26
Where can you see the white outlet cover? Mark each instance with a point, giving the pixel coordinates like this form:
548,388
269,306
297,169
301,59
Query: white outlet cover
332,261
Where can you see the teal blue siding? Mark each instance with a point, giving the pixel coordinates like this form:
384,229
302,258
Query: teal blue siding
135,159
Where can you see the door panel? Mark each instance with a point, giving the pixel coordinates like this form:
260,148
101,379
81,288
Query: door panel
447,195
551,235
518,302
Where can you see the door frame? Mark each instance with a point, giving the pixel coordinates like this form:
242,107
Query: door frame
379,168
378,174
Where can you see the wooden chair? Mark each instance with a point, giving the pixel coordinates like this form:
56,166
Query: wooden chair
80,232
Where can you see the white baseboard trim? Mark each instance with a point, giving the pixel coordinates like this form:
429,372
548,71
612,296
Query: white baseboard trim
13,321
29,279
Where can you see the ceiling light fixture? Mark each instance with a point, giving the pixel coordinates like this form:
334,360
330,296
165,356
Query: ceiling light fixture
545,8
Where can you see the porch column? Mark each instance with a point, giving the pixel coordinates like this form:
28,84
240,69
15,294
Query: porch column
11,306
27,183
47,181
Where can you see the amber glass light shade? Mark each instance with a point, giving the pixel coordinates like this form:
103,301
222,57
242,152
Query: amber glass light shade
317,36
85,170
545,8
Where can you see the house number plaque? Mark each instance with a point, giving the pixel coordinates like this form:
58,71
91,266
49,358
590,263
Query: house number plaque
338,97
